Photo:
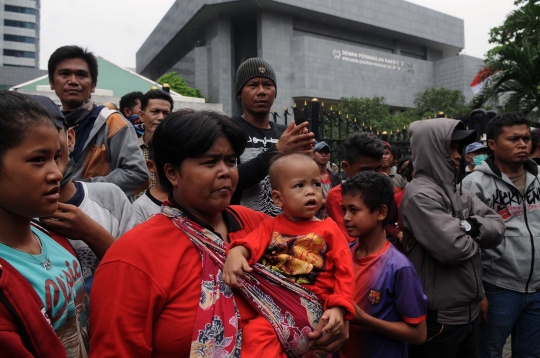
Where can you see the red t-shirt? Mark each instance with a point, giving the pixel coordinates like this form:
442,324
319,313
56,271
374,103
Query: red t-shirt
146,291
311,253
333,208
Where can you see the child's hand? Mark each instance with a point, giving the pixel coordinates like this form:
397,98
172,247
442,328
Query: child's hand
236,265
335,320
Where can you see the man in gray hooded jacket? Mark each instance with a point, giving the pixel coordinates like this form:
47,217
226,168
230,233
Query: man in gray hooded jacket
444,229
509,183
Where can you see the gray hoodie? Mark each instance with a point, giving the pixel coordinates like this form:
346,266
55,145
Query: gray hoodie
515,263
446,258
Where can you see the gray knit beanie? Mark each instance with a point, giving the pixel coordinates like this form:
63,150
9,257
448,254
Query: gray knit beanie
251,68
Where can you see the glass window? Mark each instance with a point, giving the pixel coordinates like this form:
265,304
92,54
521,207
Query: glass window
17,38
20,9
23,24
10,65
17,53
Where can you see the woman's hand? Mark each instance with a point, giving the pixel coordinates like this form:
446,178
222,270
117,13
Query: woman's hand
236,265
334,318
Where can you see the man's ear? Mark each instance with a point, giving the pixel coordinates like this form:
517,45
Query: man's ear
151,166
71,138
491,144
382,213
345,167
276,197
94,87
141,115
51,83
172,174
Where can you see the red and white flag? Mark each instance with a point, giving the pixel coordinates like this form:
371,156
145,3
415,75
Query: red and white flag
480,80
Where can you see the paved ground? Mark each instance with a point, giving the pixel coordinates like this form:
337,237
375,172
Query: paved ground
507,352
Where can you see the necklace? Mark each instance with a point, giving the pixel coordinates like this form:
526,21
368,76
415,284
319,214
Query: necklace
47,265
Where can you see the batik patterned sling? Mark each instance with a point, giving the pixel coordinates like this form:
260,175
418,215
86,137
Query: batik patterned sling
292,310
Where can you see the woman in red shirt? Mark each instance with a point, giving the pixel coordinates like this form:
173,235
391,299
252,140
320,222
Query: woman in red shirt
147,299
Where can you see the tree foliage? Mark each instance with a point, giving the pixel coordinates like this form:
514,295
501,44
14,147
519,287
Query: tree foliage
434,100
374,113
371,112
515,60
179,85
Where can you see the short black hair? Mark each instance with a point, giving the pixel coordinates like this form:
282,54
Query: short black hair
400,163
374,188
18,113
156,94
396,152
535,139
130,100
362,144
494,127
188,133
408,171
70,52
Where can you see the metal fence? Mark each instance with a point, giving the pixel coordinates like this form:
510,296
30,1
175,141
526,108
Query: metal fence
332,127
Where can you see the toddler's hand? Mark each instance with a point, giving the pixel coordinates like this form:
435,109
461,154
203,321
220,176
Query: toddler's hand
236,265
334,318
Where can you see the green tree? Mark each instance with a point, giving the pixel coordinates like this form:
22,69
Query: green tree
515,60
434,100
179,85
371,112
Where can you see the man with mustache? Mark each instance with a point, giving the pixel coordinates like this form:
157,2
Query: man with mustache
106,148
256,89
507,182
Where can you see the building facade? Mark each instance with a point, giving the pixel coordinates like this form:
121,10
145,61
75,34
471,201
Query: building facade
19,45
327,49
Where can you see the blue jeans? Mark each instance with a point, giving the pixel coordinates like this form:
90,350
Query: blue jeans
511,312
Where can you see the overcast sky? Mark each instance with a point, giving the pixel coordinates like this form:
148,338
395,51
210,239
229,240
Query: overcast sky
115,29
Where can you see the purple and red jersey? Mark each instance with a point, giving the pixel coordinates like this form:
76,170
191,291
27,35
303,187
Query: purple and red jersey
387,287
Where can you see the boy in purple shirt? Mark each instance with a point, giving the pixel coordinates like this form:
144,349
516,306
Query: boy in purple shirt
390,304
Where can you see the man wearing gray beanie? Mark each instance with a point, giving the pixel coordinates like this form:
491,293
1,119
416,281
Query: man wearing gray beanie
256,88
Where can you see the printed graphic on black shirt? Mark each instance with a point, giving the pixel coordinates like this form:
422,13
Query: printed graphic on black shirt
258,197
259,140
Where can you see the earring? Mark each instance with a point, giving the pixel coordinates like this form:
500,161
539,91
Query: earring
70,148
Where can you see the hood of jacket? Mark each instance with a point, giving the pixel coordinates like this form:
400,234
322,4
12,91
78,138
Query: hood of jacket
430,147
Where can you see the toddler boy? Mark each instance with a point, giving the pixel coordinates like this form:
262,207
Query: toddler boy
310,252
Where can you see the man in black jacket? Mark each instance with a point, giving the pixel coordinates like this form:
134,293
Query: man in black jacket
256,88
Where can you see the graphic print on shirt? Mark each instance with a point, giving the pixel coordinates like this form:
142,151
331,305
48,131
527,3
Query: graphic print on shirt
73,331
510,203
299,258
258,197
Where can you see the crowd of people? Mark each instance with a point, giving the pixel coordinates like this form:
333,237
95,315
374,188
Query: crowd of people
140,231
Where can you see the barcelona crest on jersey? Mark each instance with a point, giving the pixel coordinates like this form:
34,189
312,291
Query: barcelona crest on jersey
374,296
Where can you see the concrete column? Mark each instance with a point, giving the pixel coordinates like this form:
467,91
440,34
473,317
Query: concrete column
201,69
274,38
219,61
